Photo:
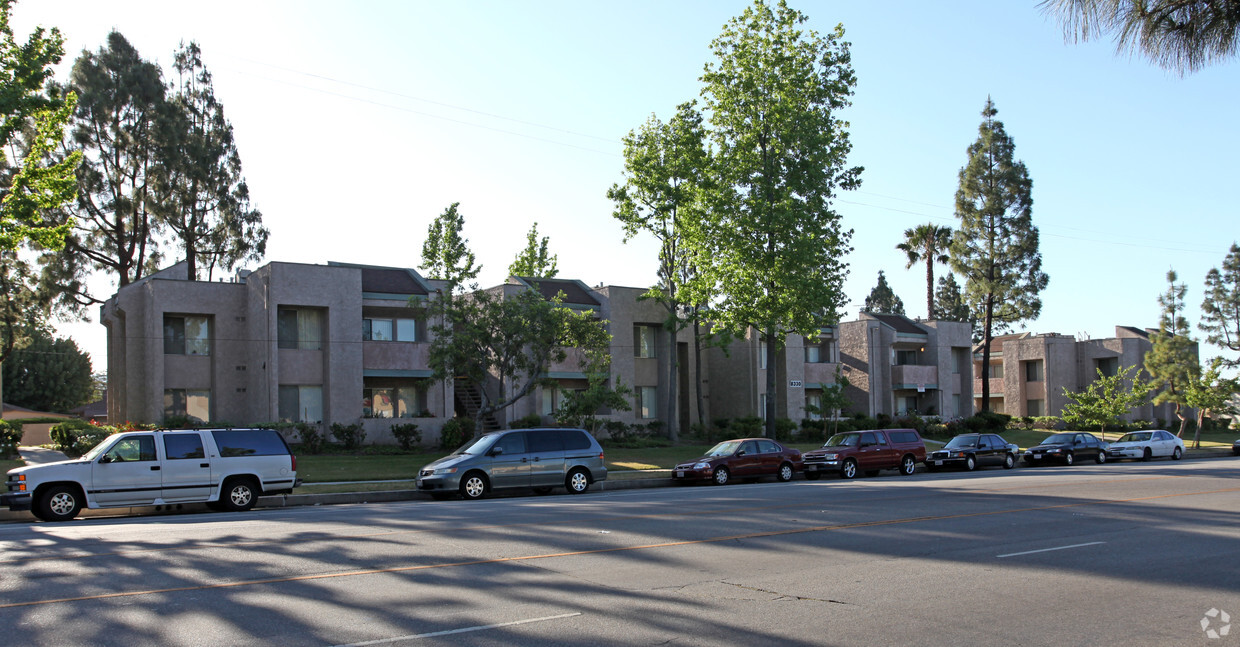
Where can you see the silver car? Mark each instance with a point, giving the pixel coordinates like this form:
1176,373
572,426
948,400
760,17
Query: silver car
518,458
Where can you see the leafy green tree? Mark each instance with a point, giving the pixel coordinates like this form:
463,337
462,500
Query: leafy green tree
445,253
883,299
995,248
32,125
48,374
665,169
773,246
117,128
1220,309
1179,35
1106,400
509,338
205,202
534,261
927,244
1210,393
949,304
833,402
1172,359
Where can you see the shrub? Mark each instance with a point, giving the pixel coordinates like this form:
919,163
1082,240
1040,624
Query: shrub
747,426
65,435
784,429
311,437
937,430
10,438
180,422
911,421
351,436
1048,422
527,422
455,432
991,421
407,435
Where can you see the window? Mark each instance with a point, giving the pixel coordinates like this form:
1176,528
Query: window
1035,408
762,356
552,397
643,341
767,447
1033,371
387,329
300,329
183,446
996,370
1108,366
128,450
762,406
906,358
187,335
813,354
545,440
191,403
393,399
511,444
406,330
301,403
647,402
813,399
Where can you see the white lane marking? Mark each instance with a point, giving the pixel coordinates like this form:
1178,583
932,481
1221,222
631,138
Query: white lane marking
387,641
1043,550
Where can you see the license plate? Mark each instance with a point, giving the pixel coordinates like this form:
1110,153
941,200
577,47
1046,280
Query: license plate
1037,456
680,474
938,462
811,468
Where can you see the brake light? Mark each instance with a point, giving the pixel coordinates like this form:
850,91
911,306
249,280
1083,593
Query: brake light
294,457
600,456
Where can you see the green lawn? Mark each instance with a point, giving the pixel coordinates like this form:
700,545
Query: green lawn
6,465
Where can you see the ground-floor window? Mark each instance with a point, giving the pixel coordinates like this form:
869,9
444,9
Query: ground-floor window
393,399
194,404
813,405
647,402
301,403
1035,408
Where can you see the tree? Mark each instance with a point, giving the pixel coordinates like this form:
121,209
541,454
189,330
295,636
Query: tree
510,339
832,402
773,245
32,125
1220,309
116,127
1210,393
995,248
949,304
883,299
1106,400
927,244
1172,360
664,167
48,374
1179,35
445,253
204,200
534,261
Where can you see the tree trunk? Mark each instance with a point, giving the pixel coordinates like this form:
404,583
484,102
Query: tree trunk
673,418
771,383
697,381
929,286
986,339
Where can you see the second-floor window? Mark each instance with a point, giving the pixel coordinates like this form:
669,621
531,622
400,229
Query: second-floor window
813,354
381,329
643,341
300,329
187,335
1033,371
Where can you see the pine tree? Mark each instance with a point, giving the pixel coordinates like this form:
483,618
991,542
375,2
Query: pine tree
1172,360
995,248
949,303
883,299
1220,309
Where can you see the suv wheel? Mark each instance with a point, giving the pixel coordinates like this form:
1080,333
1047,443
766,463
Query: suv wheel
59,503
721,476
785,472
577,482
908,465
239,495
849,470
473,486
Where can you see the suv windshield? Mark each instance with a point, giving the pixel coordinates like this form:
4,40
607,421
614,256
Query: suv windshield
475,447
726,448
962,441
1138,437
842,440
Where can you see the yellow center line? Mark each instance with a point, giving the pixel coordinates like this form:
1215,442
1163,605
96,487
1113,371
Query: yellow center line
595,551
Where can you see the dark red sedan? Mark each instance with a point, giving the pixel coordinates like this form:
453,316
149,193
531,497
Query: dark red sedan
741,458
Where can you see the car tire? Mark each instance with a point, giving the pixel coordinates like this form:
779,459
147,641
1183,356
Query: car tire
849,469
1147,454
59,503
908,465
1177,454
1009,462
1101,457
721,476
473,486
813,476
239,494
1069,458
970,463
577,481
786,472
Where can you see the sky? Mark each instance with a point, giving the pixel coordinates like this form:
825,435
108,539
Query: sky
358,122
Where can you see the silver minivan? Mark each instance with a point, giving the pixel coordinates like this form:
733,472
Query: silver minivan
541,459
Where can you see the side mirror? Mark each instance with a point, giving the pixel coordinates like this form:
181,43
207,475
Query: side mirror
495,451
741,452
105,459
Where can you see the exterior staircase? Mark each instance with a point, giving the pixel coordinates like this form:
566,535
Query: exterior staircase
468,397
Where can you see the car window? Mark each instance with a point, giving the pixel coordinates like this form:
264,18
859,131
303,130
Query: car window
984,443
575,439
133,448
750,447
250,442
726,448
961,441
183,446
768,447
842,440
545,440
903,436
511,443
868,439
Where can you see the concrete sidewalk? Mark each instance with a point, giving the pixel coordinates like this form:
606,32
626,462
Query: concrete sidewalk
39,455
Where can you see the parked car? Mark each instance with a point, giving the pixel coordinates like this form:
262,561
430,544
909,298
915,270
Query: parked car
1145,445
866,451
741,458
225,468
1067,448
517,458
972,451
1235,448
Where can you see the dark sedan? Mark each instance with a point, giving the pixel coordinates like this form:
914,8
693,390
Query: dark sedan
972,451
741,458
1235,448
1067,448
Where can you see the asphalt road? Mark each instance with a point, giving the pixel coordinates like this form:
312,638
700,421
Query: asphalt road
1132,554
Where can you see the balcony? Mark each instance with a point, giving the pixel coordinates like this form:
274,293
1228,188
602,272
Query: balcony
910,376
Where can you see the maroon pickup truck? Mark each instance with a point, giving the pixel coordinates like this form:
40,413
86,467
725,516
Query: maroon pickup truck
866,451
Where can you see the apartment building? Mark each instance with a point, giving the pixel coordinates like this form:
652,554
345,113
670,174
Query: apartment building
1029,372
288,341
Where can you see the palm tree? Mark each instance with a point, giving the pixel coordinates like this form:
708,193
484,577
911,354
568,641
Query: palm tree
927,244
